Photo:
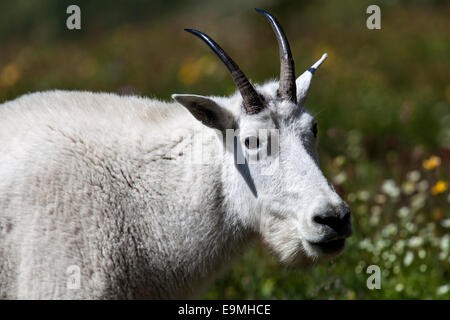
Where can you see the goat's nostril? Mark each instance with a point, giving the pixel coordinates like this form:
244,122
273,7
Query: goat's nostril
337,222
333,222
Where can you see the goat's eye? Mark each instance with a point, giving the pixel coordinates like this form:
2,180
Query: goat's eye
254,145
314,129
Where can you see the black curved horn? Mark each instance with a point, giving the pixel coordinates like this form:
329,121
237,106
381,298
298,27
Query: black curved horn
252,101
287,89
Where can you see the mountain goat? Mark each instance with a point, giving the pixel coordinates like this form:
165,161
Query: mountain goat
100,197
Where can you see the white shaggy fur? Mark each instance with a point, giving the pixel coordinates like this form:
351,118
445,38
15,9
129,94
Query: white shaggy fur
104,183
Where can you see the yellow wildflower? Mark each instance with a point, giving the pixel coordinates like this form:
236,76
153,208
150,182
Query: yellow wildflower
339,160
432,163
189,72
408,188
438,214
439,187
9,75
351,295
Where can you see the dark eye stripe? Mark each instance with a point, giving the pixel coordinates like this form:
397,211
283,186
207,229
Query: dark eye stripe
314,129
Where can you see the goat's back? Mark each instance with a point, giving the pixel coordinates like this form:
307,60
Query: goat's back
72,165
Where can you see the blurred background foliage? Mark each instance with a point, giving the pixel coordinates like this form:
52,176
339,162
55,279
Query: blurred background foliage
382,100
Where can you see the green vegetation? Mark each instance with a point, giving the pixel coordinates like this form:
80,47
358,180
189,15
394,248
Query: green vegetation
382,100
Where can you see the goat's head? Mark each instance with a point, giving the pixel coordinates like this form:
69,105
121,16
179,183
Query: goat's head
293,207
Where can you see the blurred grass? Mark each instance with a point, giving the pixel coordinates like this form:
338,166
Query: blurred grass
382,100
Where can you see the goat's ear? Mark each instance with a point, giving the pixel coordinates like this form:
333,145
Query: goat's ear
207,111
304,81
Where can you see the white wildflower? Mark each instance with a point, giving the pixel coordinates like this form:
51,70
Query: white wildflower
340,178
381,244
418,201
380,198
443,289
390,188
445,243
415,242
404,212
389,230
445,223
392,257
423,186
413,176
363,195
374,220
411,227
422,254
399,246
366,244
399,287
409,258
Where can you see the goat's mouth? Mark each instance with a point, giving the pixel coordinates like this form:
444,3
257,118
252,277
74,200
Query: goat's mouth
329,247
